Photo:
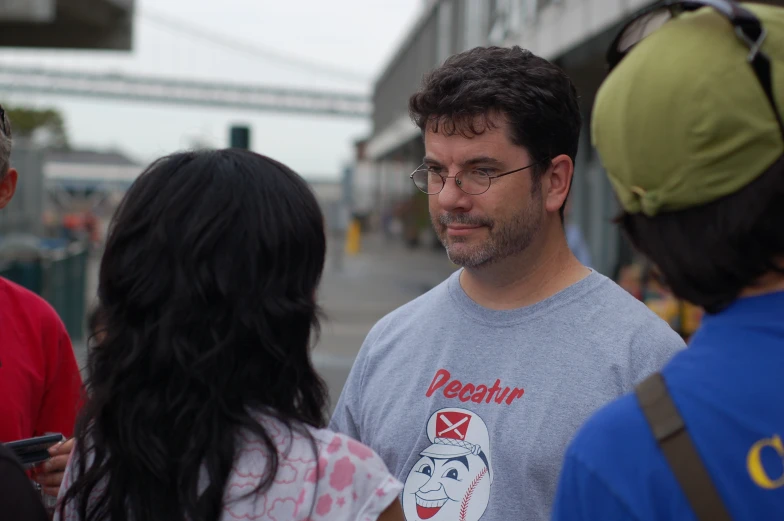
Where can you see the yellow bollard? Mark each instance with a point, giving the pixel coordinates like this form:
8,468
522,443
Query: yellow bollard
353,237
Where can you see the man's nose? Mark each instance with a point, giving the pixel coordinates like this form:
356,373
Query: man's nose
451,197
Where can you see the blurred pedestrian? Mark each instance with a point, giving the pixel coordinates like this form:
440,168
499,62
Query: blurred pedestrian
689,127
203,403
575,238
40,381
471,392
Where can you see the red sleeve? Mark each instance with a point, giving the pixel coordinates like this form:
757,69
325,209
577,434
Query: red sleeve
62,397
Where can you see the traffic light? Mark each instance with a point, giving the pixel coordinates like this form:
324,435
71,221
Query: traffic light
239,137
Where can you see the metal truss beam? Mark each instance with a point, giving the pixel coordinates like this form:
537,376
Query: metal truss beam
153,89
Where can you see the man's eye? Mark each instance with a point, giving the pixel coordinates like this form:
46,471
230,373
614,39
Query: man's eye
483,172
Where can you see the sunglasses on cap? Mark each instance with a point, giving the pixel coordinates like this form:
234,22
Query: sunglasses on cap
746,24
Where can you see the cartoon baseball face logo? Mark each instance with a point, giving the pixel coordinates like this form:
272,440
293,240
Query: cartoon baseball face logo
452,479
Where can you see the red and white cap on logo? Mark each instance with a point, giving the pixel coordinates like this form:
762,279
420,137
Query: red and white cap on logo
457,432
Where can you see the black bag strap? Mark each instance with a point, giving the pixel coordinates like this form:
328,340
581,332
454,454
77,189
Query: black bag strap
678,448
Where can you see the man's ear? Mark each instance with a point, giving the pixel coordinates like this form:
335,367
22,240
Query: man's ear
559,180
8,187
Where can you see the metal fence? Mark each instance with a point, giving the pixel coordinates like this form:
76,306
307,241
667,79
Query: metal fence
59,276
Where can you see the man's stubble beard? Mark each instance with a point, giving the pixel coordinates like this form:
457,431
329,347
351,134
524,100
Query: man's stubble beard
504,239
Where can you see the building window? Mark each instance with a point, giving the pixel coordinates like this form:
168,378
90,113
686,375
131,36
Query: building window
500,11
516,16
444,32
542,4
476,14
528,11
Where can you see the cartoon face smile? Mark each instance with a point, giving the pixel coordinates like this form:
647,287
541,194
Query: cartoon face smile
427,509
451,480
440,486
435,491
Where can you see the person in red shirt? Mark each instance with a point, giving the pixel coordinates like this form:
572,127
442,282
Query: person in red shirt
40,383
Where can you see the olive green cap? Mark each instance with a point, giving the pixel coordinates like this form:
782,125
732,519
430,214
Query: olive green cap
683,120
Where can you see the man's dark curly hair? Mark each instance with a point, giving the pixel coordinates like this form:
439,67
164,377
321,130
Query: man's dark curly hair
535,96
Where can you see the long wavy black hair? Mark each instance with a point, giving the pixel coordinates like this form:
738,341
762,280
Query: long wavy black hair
208,303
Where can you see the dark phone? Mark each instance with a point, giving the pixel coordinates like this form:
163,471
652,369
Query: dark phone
32,451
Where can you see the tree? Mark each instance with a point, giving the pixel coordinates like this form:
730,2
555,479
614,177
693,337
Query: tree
46,125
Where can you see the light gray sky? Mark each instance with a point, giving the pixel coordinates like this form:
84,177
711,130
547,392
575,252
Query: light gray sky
357,35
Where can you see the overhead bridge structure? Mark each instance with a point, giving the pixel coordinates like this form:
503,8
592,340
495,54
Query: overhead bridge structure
153,89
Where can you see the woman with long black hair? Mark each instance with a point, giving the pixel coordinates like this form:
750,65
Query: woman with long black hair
202,401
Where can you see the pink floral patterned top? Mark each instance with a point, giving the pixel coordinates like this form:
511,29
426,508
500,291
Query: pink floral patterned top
346,481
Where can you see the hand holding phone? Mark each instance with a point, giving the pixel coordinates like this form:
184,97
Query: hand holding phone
32,451
50,474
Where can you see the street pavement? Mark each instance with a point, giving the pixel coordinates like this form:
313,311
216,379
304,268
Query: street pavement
382,277
356,291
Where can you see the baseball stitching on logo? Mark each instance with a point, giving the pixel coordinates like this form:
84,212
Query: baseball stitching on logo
469,493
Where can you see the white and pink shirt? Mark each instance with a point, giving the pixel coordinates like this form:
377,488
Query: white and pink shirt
343,481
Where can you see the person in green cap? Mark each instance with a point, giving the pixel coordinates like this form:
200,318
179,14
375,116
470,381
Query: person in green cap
688,125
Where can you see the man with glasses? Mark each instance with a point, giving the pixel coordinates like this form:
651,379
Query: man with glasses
523,339
689,127
40,383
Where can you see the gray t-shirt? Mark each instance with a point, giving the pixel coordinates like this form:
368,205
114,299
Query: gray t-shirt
472,408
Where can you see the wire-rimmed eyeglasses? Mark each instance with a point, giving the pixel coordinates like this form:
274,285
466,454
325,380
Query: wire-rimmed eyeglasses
472,182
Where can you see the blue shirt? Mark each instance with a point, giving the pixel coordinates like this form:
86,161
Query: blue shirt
729,388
